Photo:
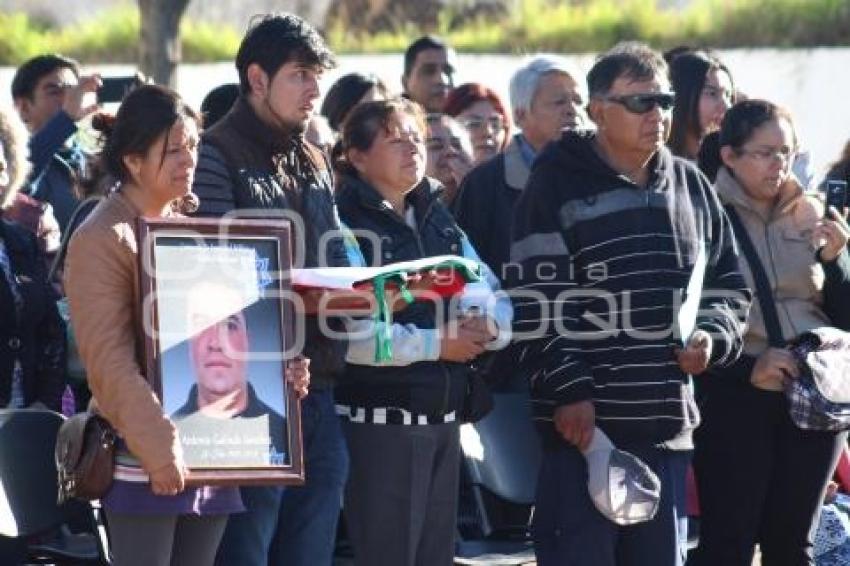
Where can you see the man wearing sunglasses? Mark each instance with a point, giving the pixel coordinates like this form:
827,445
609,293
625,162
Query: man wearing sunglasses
610,235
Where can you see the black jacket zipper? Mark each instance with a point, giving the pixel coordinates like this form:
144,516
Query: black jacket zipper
447,377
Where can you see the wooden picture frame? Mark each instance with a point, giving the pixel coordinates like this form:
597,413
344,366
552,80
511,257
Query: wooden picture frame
219,327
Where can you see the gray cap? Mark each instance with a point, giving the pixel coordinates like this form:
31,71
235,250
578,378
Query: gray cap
621,486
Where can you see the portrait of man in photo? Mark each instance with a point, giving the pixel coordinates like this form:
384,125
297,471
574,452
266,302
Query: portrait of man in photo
223,420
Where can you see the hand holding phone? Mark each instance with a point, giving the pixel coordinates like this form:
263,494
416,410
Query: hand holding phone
77,101
114,89
832,233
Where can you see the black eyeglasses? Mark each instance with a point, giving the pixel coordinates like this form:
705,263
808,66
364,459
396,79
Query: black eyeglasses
644,102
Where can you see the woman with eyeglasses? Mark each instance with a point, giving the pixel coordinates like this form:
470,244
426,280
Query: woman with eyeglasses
480,110
762,479
704,91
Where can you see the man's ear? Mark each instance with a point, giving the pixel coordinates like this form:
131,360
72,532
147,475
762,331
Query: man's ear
404,84
258,80
519,117
595,112
23,106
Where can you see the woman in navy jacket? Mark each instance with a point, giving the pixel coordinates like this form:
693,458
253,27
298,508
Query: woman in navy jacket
401,417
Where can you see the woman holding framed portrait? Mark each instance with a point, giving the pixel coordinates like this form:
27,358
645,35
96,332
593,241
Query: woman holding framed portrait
150,149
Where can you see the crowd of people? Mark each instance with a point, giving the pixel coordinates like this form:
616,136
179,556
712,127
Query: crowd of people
596,207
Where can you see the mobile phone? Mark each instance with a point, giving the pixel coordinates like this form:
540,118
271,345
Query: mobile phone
836,196
114,89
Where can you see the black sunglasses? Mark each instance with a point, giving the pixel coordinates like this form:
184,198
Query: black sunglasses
643,103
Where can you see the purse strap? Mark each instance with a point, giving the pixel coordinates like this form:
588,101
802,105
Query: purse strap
763,291
80,213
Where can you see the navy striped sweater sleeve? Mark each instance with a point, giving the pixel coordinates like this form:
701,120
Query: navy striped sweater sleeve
542,277
726,298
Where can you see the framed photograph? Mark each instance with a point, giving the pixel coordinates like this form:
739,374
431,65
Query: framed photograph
219,326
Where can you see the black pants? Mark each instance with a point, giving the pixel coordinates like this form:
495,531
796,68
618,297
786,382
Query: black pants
401,497
761,479
164,540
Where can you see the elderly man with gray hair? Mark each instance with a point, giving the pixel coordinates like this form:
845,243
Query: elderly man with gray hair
546,98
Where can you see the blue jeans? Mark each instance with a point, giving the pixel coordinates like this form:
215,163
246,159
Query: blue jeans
569,531
295,526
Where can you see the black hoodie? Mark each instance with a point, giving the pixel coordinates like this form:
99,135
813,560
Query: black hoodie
599,267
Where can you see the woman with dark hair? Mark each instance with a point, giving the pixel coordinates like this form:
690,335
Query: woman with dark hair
708,157
480,110
32,336
401,418
150,151
761,478
346,93
704,90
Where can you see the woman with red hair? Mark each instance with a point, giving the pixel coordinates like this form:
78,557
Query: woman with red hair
480,110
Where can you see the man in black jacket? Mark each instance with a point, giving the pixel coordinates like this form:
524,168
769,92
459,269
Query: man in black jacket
611,234
255,160
546,100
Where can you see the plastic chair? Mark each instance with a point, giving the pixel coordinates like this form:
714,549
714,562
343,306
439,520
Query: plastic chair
500,462
29,515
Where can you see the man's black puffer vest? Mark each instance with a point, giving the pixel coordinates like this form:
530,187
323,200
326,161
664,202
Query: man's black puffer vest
431,388
272,171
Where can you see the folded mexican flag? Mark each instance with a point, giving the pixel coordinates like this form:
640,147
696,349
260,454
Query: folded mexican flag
445,276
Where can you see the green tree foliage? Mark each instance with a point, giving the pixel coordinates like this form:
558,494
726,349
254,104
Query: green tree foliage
531,25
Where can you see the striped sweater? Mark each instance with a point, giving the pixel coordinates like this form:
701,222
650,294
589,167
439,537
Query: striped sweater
599,267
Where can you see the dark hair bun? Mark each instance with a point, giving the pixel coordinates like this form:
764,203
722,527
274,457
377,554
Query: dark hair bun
103,123
187,204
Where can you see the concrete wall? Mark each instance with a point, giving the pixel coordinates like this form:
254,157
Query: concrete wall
806,81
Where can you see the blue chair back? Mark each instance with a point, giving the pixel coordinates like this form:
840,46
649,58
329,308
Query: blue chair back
502,450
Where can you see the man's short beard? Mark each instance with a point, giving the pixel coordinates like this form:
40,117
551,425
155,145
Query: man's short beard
285,126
